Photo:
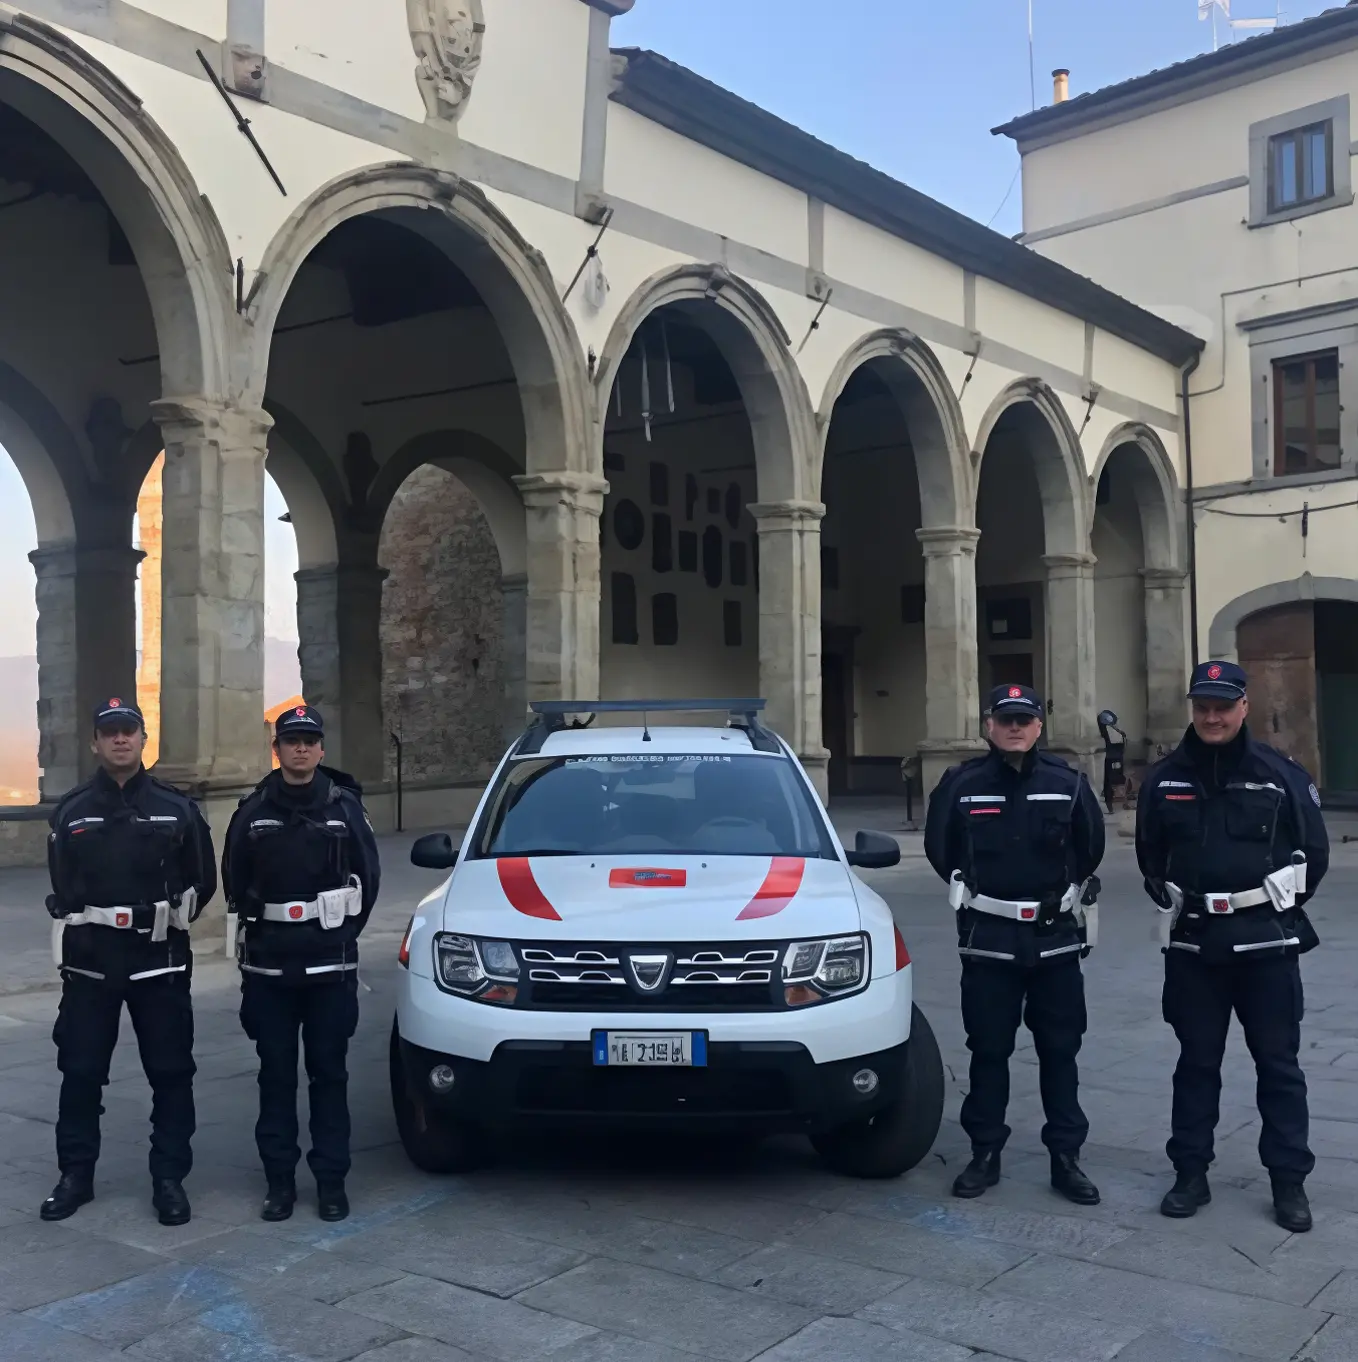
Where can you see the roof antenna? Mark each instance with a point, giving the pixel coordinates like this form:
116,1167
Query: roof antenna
1032,69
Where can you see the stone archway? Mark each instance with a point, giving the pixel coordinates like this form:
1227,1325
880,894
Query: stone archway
1036,590
1137,537
752,348
896,476
557,469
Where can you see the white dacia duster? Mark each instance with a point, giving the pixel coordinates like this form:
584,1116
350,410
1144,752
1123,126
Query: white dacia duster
658,927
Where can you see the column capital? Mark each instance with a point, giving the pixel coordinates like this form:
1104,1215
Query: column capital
1069,564
352,575
564,487
186,418
514,581
1168,578
787,514
71,560
942,541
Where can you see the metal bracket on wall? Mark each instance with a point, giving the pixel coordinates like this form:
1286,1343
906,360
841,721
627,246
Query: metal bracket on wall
242,123
815,321
590,253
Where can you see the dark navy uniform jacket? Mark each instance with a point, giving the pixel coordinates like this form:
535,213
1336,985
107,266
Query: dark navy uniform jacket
1219,818
1015,833
289,842
129,846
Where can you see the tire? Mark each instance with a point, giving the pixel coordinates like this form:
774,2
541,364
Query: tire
898,1137
433,1141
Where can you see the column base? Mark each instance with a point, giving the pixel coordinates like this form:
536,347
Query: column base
938,754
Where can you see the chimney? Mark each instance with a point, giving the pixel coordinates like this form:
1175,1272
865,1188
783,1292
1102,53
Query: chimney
1060,86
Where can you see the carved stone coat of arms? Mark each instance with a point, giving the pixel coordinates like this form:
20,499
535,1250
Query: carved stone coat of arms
446,35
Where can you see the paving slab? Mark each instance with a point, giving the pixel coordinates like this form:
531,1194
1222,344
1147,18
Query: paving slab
810,1280
659,1307
32,1340
837,1340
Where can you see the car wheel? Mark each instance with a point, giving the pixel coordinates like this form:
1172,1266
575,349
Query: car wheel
894,1140
434,1141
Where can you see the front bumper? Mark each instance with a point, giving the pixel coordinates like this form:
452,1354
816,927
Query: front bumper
759,1087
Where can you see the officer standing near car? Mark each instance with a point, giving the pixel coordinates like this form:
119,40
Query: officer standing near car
132,866
1231,842
301,872
1017,835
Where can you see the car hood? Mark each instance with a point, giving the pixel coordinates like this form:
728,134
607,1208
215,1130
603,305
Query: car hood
626,898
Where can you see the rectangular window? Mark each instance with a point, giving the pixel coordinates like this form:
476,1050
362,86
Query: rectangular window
1306,414
1300,167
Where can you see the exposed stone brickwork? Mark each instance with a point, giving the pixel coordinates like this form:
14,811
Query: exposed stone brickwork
442,632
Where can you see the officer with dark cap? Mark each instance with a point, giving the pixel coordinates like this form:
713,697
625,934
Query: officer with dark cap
1017,835
1231,842
132,866
301,872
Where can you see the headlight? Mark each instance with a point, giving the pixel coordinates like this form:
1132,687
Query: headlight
814,971
485,970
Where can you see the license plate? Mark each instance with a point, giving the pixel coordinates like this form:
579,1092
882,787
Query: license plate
651,1049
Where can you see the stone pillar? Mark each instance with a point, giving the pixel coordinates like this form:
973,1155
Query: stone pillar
212,652
148,664
1166,658
1072,725
87,651
562,607
952,701
339,617
513,652
789,627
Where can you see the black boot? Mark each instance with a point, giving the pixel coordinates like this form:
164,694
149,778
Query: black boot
1071,1182
331,1202
1190,1191
167,1196
983,1171
1290,1207
68,1196
279,1199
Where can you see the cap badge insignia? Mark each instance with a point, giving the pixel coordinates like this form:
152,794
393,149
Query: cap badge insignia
1015,693
1214,672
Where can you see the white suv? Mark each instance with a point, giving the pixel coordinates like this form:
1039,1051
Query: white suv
659,927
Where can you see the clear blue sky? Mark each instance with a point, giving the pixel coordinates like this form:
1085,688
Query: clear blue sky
913,87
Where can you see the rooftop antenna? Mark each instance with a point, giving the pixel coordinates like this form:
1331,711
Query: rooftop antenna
1209,8
1032,68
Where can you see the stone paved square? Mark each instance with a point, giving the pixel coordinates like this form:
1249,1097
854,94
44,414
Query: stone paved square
590,1250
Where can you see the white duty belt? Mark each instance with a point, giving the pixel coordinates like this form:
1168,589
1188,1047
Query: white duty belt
329,908
123,917
1025,910
1280,889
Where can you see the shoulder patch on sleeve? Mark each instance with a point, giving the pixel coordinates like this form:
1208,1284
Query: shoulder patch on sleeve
1314,793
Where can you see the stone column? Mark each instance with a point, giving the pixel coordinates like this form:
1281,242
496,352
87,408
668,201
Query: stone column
1072,727
562,607
1166,658
789,627
339,617
952,701
514,639
212,652
87,651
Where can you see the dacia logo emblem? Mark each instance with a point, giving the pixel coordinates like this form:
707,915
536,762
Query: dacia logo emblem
649,973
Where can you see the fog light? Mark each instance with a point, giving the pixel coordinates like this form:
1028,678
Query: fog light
442,1078
865,1082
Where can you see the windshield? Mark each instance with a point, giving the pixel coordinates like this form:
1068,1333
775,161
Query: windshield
679,804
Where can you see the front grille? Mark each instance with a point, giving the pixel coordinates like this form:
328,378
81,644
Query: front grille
740,976
660,1092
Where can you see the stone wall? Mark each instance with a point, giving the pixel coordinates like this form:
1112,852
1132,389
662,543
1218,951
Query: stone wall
442,632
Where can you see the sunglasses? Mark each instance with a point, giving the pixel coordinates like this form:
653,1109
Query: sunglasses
117,731
1014,720
300,740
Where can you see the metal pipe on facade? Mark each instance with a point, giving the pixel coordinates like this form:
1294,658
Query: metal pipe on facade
1190,524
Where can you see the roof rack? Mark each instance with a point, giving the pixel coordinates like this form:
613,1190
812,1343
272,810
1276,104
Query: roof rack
551,716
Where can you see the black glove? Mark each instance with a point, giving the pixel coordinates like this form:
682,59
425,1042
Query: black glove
56,908
1159,895
1093,888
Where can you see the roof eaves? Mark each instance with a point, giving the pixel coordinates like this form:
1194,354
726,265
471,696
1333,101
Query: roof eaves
1131,96
704,112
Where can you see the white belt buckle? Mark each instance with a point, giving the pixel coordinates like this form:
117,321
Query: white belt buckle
1218,903
296,912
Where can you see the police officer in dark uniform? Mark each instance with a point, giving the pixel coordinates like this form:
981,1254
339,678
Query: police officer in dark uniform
1231,842
1018,835
132,866
300,869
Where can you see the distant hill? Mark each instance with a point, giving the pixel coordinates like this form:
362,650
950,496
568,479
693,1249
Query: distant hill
19,714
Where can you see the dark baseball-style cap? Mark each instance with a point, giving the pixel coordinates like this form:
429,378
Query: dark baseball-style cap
116,710
1015,700
299,719
1217,681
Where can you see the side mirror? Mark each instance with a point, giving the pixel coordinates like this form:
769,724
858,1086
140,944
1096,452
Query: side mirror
874,851
435,851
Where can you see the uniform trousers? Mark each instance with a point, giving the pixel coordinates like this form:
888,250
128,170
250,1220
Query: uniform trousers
324,1014
85,1033
1050,1000
1266,995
